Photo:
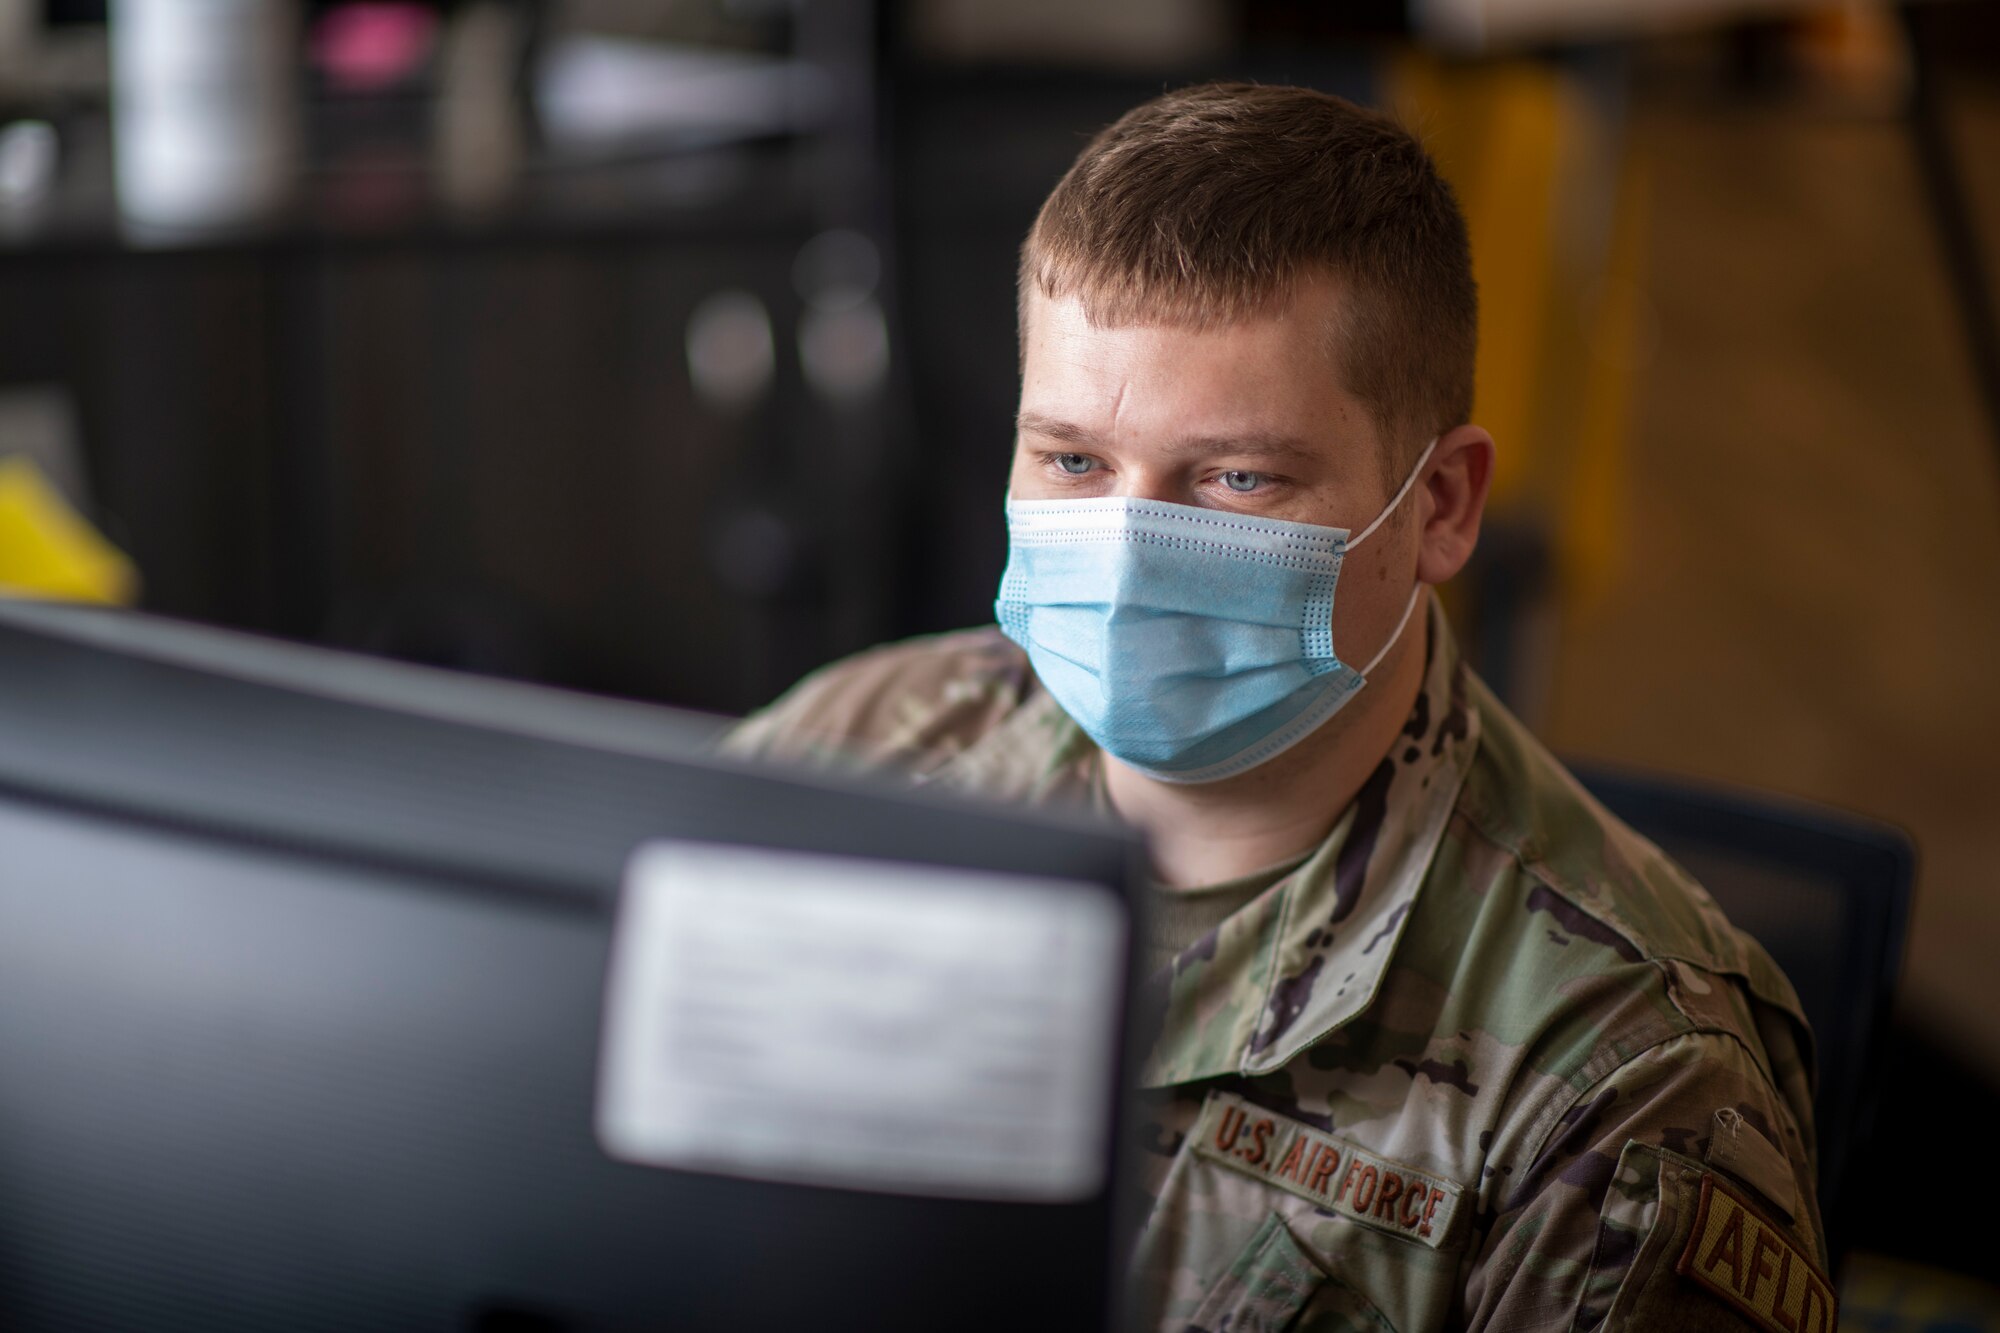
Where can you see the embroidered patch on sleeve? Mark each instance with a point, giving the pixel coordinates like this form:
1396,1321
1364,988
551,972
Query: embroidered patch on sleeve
1327,1170
1753,1266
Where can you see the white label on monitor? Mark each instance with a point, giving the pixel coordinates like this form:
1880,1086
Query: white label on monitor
870,1024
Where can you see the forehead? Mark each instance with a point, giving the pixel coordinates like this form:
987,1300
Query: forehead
1273,375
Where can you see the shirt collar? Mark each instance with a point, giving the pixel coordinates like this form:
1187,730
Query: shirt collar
1308,955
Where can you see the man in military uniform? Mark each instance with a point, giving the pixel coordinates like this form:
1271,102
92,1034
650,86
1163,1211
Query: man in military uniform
1444,1044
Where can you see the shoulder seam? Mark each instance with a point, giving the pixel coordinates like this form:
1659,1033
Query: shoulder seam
1599,1079
1598,1070
1538,870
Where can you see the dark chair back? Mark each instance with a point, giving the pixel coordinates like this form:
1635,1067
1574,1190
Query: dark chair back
1828,894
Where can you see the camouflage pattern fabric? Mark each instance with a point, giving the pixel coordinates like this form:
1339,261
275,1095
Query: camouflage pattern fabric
1467,1066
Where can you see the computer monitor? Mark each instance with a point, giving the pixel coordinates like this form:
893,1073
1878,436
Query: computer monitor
342,995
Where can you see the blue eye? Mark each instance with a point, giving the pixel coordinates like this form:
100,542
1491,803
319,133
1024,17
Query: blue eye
1074,464
1242,481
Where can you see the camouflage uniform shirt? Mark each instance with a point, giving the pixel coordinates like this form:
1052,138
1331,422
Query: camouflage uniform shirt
1485,1059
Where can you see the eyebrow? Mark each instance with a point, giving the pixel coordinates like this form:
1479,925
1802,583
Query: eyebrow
1253,444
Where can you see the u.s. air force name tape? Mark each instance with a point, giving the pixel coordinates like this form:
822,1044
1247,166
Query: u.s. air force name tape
1753,1266
1327,1170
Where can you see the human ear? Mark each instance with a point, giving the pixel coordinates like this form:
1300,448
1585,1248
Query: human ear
1454,489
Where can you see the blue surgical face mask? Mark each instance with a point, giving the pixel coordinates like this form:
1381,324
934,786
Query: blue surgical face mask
1190,643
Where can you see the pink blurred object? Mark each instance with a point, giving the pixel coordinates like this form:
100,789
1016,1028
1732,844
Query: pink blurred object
373,45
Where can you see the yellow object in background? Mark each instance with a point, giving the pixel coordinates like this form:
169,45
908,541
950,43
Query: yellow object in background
49,550
1502,132
1554,195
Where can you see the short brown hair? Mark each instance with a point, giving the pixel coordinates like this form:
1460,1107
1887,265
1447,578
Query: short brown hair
1209,204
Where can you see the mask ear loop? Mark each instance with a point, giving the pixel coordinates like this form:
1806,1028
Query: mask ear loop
1401,625
1409,607
1415,471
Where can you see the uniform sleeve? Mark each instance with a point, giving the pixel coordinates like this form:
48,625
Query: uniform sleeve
813,723
1675,1193
909,706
